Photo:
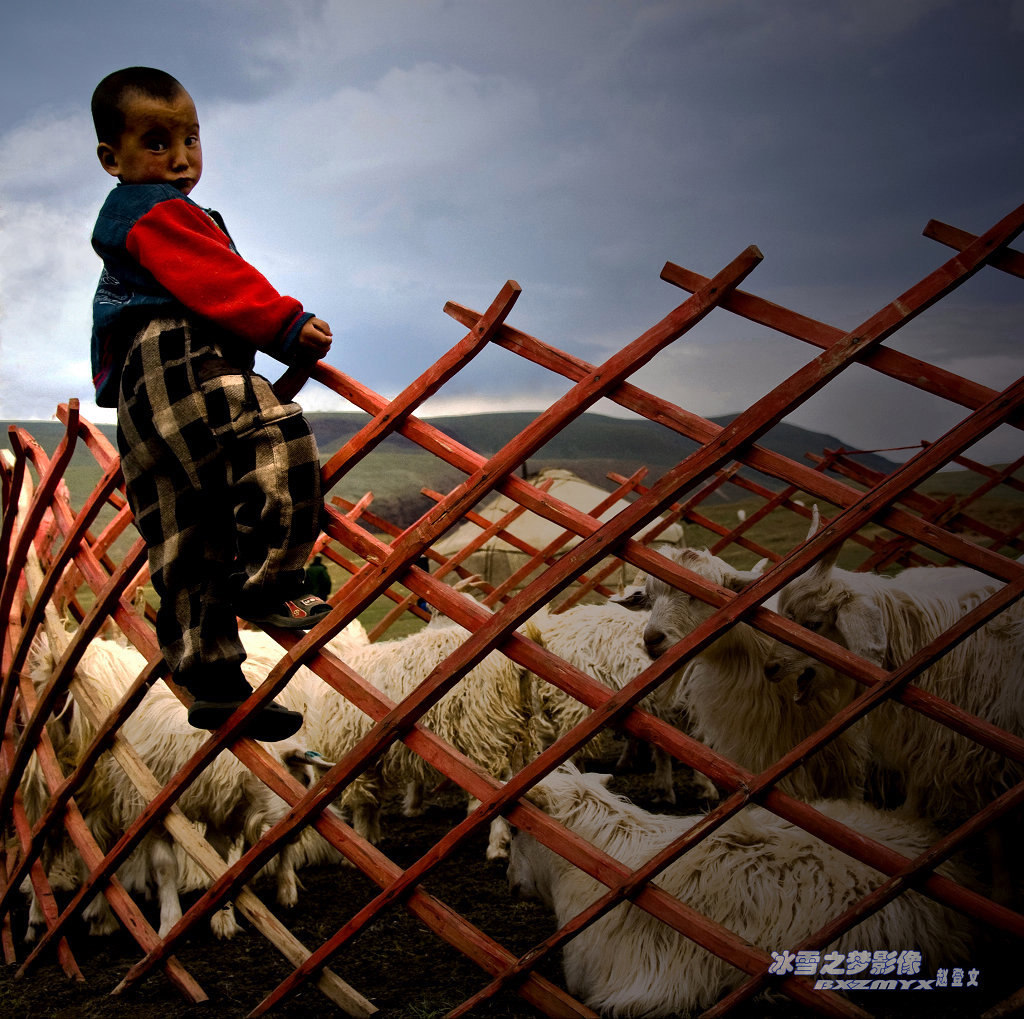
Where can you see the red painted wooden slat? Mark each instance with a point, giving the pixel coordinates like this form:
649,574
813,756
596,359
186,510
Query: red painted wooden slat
25,446
372,434
546,556
72,542
120,901
694,427
61,794
1005,258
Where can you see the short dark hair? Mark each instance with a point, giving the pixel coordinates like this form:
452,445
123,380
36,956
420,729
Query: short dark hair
108,99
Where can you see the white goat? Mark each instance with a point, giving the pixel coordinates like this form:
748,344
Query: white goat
262,654
886,620
226,797
763,878
606,642
486,716
733,708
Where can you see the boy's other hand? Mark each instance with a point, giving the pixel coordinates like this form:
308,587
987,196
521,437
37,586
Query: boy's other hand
315,337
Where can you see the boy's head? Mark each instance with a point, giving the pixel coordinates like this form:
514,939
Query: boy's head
147,128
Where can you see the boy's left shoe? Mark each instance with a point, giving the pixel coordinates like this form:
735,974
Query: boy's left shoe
271,723
291,614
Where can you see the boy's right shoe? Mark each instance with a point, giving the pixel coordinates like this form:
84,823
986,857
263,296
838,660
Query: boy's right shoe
299,613
270,723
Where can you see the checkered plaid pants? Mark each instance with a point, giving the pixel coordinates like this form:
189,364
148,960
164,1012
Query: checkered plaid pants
224,482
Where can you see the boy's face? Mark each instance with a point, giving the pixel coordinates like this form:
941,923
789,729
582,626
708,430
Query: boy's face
159,144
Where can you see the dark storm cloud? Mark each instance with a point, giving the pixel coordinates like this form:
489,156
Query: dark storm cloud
377,160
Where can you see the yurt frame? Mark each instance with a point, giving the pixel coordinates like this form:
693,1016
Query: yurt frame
51,557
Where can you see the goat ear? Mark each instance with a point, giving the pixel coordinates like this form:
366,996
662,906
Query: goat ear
517,758
736,581
474,580
531,631
863,628
297,759
318,761
540,797
633,598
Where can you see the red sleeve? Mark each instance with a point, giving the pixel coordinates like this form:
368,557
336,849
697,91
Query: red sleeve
191,257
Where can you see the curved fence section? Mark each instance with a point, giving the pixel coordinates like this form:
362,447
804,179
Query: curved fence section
495,706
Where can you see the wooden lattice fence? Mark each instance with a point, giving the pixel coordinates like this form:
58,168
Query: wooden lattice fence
55,556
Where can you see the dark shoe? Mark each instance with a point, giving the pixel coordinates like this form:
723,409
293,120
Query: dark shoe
294,614
270,724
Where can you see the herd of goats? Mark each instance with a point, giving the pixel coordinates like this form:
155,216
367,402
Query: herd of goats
896,777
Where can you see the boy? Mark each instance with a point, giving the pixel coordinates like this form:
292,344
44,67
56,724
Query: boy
221,469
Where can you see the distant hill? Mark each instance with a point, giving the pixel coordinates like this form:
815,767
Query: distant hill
592,447
49,433
631,442
591,437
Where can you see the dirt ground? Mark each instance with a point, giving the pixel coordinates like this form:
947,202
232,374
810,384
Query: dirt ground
404,969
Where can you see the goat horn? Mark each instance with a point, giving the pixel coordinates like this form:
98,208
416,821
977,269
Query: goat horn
815,522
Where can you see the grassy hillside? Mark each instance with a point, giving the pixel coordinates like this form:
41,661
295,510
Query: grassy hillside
597,436
592,447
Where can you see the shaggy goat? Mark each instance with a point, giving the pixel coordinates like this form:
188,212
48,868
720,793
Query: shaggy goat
262,654
226,797
731,705
763,878
486,716
606,642
886,620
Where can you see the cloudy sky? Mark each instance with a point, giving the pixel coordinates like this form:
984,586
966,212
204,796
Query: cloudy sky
377,159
